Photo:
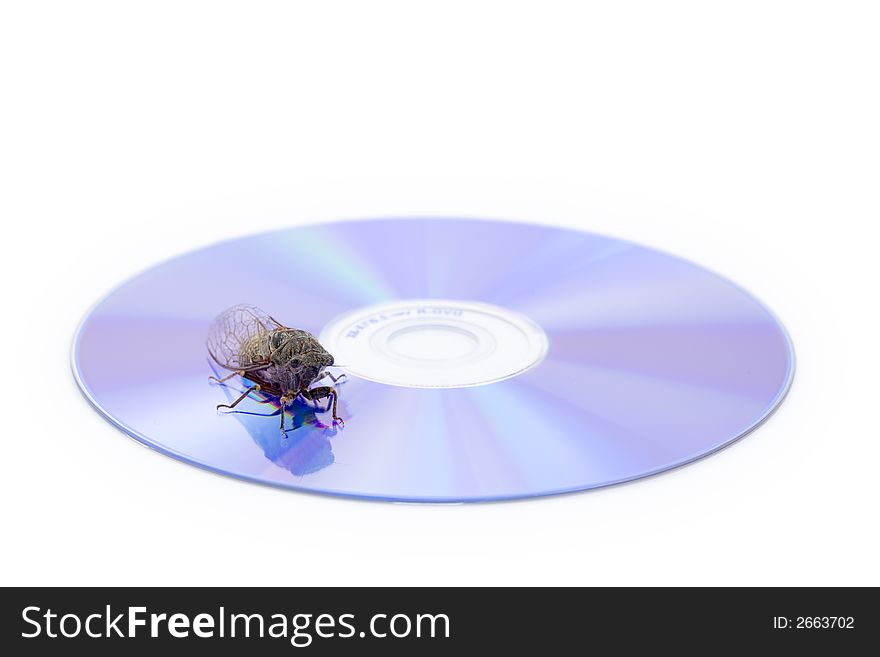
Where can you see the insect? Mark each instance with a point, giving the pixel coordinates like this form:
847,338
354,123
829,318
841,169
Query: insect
281,361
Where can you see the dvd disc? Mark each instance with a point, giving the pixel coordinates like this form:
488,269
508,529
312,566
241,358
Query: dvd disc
484,360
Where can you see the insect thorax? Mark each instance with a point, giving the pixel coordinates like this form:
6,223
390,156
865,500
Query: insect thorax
294,357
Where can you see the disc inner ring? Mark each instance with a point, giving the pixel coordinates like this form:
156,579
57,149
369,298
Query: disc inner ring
435,343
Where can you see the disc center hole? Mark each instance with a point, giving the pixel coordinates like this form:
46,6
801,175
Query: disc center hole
433,342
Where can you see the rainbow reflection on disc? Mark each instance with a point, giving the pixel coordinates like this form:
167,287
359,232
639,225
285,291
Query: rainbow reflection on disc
484,360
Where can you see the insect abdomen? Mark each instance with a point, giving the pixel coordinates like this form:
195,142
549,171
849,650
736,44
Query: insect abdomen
254,350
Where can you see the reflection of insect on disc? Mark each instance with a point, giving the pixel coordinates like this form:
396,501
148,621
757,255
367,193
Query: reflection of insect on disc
281,361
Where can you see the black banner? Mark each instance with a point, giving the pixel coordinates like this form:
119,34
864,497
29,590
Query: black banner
435,621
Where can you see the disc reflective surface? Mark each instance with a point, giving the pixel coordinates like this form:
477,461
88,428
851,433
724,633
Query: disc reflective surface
627,361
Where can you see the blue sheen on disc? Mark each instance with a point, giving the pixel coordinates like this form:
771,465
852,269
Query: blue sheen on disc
651,361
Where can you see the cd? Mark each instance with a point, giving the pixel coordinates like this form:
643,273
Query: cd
483,360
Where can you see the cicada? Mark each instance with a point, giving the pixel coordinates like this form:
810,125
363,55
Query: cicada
280,361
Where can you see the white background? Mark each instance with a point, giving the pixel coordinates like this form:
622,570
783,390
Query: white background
741,135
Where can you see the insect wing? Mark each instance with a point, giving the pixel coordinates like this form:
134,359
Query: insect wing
239,338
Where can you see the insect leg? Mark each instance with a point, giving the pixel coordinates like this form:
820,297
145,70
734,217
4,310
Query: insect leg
227,377
284,401
315,394
332,378
255,387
